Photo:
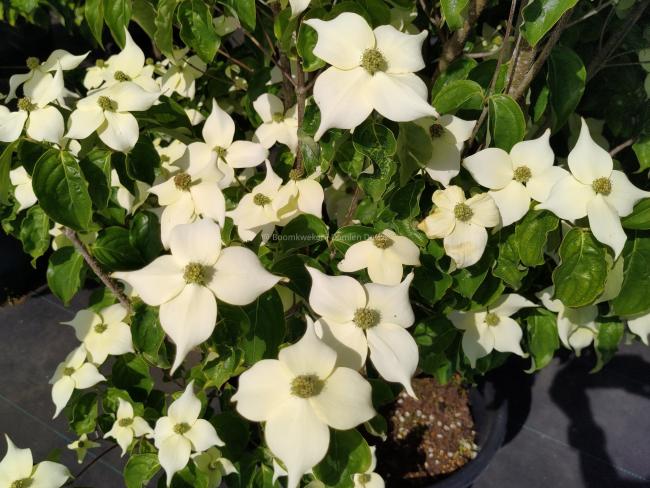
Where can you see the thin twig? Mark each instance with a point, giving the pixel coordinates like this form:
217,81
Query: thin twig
301,96
352,207
90,464
236,61
622,146
94,266
591,13
486,54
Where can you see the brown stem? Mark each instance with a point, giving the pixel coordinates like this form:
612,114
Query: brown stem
90,464
301,96
622,146
353,206
285,66
94,266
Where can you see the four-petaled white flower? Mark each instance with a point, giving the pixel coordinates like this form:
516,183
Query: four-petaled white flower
384,255
23,193
73,373
577,327
298,396
371,69
17,470
187,282
306,197
490,329
81,447
369,479
516,178
103,333
127,426
130,65
461,223
448,134
215,465
43,121
108,111
181,74
356,317
190,193
277,126
182,432
596,190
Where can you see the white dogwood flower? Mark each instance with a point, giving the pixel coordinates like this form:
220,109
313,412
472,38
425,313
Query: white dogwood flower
640,325
23,193
127,426
181,74
577,327
73,373
516,178
95,75
358,317
187,282
81,447
130,65
461,223
298,6
215,465
125,199
384,255
17,470
43,122
298,396
103,333
448,134
369,479
108,112
306,197
596,190
182,432
371,69
277,126
190,193
490,329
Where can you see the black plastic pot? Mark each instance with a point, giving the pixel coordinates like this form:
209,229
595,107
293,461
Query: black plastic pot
490,412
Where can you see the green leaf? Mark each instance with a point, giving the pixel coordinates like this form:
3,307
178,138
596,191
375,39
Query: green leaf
606,342
506,121
468,280
532,236
414,149
541,15
543,339
65,273
83,414
642,151
35,232
459,69
305,230
144,235
62,190
94,14
223,368
5,167
639,219
131,373
142,161
346,236
405,202
144,14
507,266
430,282
459,94
580,277
307,38
96,167
197,29
164,22
148,336
374,140
245,10
454,12
139,469
117,14
348,454
114,251
566,80
633,298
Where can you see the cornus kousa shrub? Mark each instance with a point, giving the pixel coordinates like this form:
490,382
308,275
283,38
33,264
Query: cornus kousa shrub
286,211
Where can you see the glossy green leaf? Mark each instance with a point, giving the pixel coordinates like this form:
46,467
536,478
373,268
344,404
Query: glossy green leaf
459,94
5,168
642,151
83,413
66,273
414,149
164,22
148,335
508,267
144,13
117,14
606,342
35,232
114,251
245,11
459,69
130,372
348,454
543,339
639,219
142,161
144,235
633,297
94,14
566,80
305,230
96,167
346,236
140,468
532,236
197,29
506,121
307,38
405,202
540,16
454,12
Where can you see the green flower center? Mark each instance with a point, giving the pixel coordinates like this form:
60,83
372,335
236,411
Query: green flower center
306,385
366,318
364,479
436,131
522,174
222,152
214,465
261,199
32,62
68,371
81,444
602,186
100,63
373,61
101,328
492,319
182,428
26,105
382,241
194,273
149,61
278,117
24,483
125,422
165,159
121,76
296,174
107,104
183,181
463,212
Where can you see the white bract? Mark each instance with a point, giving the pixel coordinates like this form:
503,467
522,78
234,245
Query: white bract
181,74
516,178
491,329
23,193
215,465
125,199
108,111
187,282
358,317
127,426
371,69
596,190
17,470
130,65
73,373
640,325
448,135
577,327
384,255
81,447
306,197
298,6
298,396
461,223
103,333
190,193
277,126
182,432
369,479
